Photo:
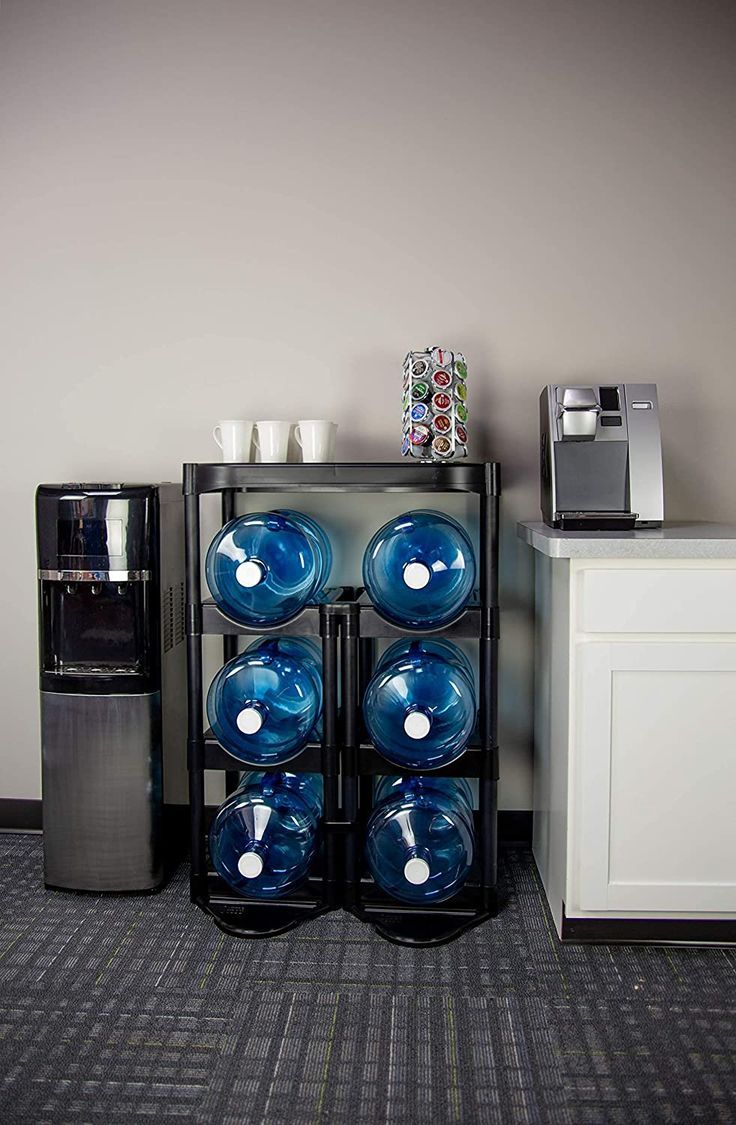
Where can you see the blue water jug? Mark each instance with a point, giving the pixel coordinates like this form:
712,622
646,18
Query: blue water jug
419,570
320,544
263,568
265,835
420,838
420,706
446,649
264,704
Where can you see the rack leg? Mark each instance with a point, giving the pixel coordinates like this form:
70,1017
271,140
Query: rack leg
330,629
488,710
229,643
351,649
198,876
367,654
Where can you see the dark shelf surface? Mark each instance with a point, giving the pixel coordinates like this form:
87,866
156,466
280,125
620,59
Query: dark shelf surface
466,903
216,757
372,761
374,625
390,476
403,928
259,918
306,623
307,895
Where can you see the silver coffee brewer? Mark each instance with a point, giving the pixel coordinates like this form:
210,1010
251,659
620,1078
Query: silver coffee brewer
112,678
601,457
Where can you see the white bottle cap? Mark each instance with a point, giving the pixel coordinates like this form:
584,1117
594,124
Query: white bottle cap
250,865
417,724
249,720
250,573
416,575
416,871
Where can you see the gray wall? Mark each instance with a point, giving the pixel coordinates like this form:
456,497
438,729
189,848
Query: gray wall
252,209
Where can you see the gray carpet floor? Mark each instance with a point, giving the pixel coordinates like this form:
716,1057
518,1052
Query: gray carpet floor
138,1008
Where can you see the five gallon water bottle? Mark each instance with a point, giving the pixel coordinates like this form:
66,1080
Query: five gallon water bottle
419,843
264,837
264,568
264,705
419,569
420,705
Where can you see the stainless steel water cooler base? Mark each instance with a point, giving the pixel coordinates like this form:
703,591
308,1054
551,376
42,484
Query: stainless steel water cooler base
102,791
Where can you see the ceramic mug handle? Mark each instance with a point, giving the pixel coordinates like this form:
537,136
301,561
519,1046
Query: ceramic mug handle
217,434
298,436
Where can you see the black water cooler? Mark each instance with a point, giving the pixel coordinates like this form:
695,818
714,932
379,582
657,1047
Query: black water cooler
112,678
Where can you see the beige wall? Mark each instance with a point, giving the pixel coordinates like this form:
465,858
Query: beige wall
253,209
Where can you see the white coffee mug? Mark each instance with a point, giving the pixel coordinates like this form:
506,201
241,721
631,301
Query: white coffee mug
272,440
316,439
233,438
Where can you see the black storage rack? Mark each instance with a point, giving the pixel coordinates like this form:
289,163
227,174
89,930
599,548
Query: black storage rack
348,626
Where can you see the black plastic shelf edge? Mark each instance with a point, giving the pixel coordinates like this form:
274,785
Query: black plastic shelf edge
469,764
215,622
374,626
216,757
481,478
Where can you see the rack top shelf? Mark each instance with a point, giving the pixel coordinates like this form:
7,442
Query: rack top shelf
482,478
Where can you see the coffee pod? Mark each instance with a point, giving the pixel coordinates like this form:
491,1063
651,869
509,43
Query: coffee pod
461,412
441,401
441,357
419,368
461,391
420,390
441,378
461,367
461,434
442,447
405,447
419,412
442,423
419,435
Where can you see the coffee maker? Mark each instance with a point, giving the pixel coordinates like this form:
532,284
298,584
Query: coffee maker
601,457
112,678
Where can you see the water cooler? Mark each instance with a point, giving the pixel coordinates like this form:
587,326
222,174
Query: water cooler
112,678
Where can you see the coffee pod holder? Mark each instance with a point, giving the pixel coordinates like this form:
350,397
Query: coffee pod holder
435,411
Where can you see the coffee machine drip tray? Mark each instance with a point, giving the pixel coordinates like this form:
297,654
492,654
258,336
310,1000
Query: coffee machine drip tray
595,521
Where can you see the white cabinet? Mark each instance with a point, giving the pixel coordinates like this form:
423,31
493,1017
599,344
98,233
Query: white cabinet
655,777
635,744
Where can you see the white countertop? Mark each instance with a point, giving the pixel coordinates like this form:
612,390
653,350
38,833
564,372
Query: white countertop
672,541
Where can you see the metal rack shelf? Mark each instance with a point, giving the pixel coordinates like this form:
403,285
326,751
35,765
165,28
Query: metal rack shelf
347,626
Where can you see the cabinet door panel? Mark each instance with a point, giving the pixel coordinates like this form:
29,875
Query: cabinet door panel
656,765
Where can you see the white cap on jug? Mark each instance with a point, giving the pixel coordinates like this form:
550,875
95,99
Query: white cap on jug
250,865
416,871
416,575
